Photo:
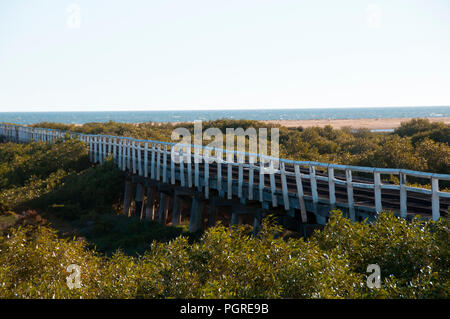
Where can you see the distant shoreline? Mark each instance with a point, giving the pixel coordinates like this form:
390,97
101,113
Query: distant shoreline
368,123
290,117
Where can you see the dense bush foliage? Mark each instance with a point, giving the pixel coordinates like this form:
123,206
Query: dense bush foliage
94,190
419,129
21,162
229,263
57,181
29,170
107,233
47,176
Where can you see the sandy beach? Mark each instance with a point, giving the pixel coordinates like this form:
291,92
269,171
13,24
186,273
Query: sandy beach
373,124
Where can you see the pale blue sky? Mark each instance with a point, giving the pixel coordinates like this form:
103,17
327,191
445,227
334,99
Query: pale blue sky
212,54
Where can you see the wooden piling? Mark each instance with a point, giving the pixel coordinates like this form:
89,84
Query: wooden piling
196,214
127,198
212,212
234,219
176,212
150,206
257,222
162,208
139,200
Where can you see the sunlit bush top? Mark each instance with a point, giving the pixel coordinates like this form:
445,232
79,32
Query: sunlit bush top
229,263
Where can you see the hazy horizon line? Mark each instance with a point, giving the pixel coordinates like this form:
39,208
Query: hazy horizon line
227,109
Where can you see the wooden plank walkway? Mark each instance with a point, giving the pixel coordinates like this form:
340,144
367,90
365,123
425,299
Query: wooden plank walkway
305,186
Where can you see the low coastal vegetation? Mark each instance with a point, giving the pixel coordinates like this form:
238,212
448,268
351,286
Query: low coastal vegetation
56,183
56,209
229,263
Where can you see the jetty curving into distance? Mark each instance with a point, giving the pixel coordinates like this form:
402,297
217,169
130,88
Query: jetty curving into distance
169,182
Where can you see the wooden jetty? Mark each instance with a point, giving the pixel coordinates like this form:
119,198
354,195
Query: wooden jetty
168,182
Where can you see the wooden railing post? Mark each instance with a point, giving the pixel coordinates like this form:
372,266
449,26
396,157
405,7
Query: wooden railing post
139,159
110,142
331,187
351,205
219,159
182,178
251,161
172,165
377,191
133,151
240,159
284,186
435,199
196,169
165,164
206,172
189,166
91,149
301,199
230,159
158,163
313,182
129,154
124,155
95,149
104,149
119,153
403,205
272,183
146,160
117,146
152,169
261,179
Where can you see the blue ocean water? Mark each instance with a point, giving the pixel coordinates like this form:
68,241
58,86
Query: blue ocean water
263,114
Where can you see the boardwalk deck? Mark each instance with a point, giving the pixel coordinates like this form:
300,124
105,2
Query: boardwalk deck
295,186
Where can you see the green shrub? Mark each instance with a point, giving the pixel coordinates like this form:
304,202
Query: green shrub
94,189
413,256
230,263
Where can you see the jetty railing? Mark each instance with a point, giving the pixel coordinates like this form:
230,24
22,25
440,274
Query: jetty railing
149,158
